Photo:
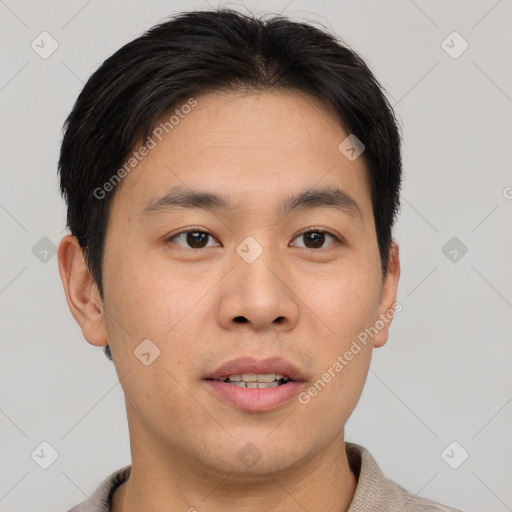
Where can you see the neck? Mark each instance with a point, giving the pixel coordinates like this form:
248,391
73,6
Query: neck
325,482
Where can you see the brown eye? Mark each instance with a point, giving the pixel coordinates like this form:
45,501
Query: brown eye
315,239
193,239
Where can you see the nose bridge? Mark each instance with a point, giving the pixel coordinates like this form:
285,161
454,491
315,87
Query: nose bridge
259,259
258,293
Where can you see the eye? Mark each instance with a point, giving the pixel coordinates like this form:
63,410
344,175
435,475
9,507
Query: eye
195,239
316,238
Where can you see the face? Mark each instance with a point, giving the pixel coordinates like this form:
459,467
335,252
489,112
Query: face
249,278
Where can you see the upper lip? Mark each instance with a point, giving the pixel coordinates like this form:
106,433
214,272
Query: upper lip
241,365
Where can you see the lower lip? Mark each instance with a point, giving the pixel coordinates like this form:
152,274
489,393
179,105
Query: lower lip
254,399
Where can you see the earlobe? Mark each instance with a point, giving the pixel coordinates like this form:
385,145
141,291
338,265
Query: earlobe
81,292
387,309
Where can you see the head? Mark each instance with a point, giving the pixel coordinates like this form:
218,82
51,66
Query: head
256,111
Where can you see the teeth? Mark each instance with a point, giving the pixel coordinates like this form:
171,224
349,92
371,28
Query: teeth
260,377
263,385
256,381
268,377
254,385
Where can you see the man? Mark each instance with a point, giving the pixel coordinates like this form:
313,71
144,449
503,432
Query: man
231,185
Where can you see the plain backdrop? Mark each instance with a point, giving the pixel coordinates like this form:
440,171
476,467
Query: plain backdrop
444,375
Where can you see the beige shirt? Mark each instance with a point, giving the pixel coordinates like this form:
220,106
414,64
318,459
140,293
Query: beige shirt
374,492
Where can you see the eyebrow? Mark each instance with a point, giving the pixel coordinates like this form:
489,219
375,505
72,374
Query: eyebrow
324,197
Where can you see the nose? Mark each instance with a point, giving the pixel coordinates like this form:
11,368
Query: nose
260,295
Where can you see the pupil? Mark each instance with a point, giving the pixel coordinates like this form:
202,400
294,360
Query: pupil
192,238
317,238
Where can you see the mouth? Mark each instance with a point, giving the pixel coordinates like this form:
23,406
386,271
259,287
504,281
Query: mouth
256,386
256,381
248,370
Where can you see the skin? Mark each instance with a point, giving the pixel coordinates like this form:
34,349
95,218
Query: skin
256,148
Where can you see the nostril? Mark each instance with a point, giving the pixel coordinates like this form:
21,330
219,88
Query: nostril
241,319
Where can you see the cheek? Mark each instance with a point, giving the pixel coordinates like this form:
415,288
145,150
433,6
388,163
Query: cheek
344,309
346,301
141,293
146,299
347,307
333,396
144,302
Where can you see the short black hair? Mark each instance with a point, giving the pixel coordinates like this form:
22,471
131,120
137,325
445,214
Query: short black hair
221,50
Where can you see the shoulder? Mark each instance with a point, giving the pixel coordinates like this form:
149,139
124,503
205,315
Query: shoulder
376,492
100,500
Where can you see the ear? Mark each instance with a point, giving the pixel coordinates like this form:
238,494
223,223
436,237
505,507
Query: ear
387,308
82,294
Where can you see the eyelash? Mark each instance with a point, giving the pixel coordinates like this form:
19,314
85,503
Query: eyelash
309,230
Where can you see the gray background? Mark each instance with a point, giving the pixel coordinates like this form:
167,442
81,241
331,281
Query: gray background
444,374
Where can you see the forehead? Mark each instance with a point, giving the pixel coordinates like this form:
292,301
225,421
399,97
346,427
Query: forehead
253,119
248,145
